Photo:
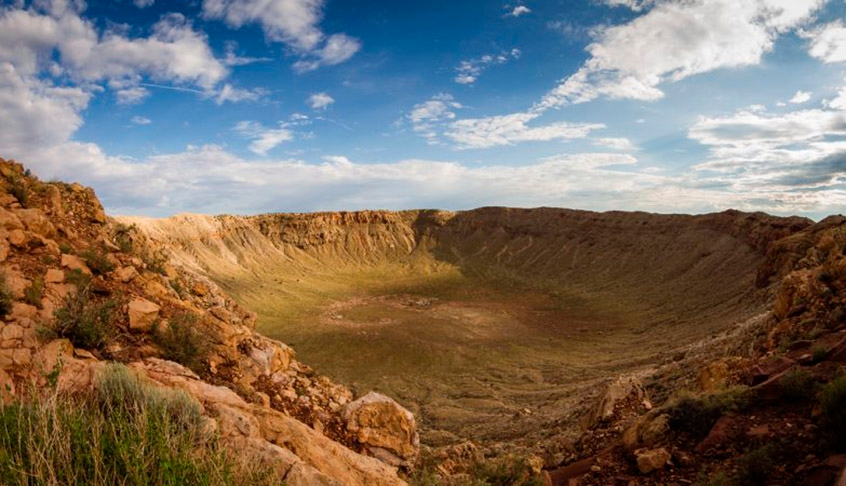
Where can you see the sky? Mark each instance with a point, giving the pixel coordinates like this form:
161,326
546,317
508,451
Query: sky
252,106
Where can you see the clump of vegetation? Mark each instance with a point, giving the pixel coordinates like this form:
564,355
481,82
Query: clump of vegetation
124,433
98,261
797,385
720,478
86,322
34,293
19,189
819,353
833,416
183,342
154,260
698,414
755,466
6,299
505,471
65,248
123,237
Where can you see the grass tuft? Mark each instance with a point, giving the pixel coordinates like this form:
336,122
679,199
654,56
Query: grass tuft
833,416
181,341
86,322
125,433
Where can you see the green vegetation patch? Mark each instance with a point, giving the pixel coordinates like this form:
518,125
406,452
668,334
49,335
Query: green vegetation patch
124,433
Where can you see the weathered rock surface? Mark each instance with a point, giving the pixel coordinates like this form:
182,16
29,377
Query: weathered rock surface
384,427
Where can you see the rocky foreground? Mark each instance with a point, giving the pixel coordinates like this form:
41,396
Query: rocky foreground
63,258
762,402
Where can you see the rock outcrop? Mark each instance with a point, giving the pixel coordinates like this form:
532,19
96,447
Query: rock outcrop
107,295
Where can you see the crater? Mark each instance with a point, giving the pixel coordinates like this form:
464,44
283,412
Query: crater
496,324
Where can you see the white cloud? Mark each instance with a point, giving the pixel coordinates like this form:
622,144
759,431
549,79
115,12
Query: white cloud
494,131
230,94
800,97
264,139
519,10
140,120
634,5
131,95
320,101
790,153
293,22
143,3
623,144
469,71
675,40
429,118
338,48
828,42
231,58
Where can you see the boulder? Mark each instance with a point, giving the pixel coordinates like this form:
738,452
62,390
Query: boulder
142,314
36,222
386,429
126,274
624,389
649,460
73,262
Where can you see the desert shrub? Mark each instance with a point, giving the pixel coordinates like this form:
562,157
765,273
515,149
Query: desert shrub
755,466
819,353
35,292
505,471
697,414
797,385
719,478
19,189
86,322
98,261
124,433
6,298
65,248
833,413
123,237
183,342
154,260
78,278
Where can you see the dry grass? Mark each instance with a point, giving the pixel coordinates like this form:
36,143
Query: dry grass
126,433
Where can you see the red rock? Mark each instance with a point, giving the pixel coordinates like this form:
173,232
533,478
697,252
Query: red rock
771,368
718,435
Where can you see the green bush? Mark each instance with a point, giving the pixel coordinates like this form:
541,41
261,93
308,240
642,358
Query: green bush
97,261
819,353
698,414
34,293
798,385
833,416
755,466
123,237
181,341
84,321
507,471
125,433
19,189
6,298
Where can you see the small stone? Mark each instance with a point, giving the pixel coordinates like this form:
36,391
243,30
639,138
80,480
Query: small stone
73,262
651,460
142,314
595,468
54,275
126,274
17,238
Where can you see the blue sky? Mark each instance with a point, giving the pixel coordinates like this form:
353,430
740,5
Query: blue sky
248,106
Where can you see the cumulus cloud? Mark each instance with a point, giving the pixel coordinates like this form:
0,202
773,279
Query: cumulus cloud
264,139
675,40
799,152
828,42
140,120
429,119
495,131
615,143
320,101
800,97
292,22
519,10
469,71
